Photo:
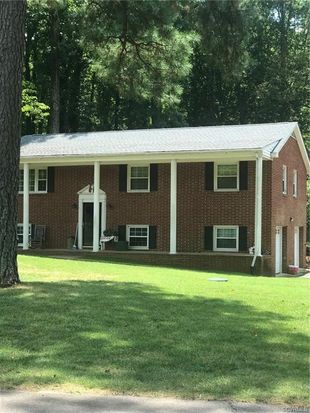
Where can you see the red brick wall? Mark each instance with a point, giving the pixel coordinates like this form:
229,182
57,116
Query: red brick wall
151,208
285,207
197,208
203,262
58,210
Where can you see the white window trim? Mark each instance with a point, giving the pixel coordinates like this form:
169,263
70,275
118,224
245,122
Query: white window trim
295,183
129,166
36,181
216,164
215,228
138,226
284,180
20,244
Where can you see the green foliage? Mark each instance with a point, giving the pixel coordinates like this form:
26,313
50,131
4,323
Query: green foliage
32,109
140,64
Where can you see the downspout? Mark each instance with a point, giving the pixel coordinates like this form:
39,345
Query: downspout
258,209
253,263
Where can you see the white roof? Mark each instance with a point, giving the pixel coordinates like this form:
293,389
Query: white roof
267,137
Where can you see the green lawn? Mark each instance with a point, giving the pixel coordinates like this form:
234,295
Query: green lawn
120,328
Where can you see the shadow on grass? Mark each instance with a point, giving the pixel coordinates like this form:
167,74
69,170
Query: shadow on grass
133,338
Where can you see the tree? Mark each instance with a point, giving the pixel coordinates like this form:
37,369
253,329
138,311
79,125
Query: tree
34,111
12,18
140,51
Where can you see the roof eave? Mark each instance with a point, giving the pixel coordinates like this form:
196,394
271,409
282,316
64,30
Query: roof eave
295,131
160,157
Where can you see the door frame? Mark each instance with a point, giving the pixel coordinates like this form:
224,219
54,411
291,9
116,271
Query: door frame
280,258
296,246
87,195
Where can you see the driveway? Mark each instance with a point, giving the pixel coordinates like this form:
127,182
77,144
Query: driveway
50,402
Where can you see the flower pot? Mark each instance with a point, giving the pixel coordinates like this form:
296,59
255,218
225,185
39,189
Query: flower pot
293,269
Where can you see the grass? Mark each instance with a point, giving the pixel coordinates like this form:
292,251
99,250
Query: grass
85,325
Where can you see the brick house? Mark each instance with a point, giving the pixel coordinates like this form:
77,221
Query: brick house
226,197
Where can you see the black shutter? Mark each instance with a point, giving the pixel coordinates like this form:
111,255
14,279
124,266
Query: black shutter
51,179
153,176
243,239
152,237
33,227
122,232
243,175
122,178
209,238
209,176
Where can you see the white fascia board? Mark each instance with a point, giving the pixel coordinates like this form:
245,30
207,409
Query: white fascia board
302,148
282,142
147,157
300,141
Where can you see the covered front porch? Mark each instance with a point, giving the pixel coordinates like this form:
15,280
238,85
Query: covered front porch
95,196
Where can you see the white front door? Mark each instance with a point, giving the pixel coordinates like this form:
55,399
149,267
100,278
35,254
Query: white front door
296,246
278,250
85,215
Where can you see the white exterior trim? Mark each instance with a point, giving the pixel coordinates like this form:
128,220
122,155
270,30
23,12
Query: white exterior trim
296,246
129,166
278,249
87,195
295,183
173,207
128,236
284,179
215,227
216,189
36,180
258,206
302,148
96,235
201,156
26,208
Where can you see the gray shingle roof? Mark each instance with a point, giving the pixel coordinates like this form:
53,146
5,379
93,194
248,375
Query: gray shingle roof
266,136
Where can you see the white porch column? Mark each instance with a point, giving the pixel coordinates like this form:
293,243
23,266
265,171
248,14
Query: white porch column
96,206
173,207
26,208
258,205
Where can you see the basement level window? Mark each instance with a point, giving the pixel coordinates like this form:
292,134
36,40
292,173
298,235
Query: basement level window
226,238
37,180
138,237
20,234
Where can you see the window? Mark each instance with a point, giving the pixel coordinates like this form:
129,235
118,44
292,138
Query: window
20,235
226,238
227,177
138,178
284,179
138,237
37,180
295,183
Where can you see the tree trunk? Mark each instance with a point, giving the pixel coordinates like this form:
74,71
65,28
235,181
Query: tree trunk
55,99
12,20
